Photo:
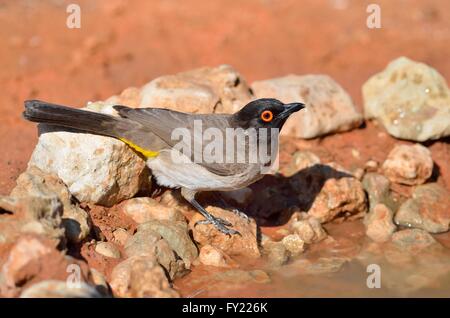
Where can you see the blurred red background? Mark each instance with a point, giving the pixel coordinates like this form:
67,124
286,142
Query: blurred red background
128,43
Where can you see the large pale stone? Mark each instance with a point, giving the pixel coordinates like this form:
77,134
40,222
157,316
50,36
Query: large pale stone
96,169
328,106
410,99
218,89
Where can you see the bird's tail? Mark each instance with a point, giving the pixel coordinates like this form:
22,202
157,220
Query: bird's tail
43,112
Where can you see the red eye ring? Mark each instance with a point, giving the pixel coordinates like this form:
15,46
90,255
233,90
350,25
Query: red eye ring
267,116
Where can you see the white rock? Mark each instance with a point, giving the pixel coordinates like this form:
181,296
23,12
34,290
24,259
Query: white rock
294,244
107,249
410,99
96,169
308,229
328,107
204,90
212,256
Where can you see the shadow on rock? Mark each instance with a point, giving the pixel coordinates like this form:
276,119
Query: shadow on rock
276,197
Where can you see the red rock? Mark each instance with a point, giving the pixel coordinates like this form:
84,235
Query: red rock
379,223
409,165
245,244
339,197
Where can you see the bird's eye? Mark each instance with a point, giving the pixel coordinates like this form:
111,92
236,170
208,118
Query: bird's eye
267,116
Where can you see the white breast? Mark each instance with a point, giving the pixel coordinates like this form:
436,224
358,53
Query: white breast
195,177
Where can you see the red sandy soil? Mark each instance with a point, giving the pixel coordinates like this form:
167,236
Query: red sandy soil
128,43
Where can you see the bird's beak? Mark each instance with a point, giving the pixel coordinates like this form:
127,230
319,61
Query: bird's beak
291,108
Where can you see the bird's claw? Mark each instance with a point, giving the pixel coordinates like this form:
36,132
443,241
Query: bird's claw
241,214
219,224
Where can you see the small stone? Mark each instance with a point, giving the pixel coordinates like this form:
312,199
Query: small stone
245,244
379,223
121,236
212,256
294,244
277,253
371,166
308,229
329,107
410,99
148,242
428,209
344,196
377,187
107,249
143,242
176,235
141,276
355,153
59,289
358,173
142,210
411,165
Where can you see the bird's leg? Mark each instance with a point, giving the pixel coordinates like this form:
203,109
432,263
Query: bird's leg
218,223
232,209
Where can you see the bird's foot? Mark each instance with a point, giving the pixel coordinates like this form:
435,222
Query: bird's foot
219,224
241,214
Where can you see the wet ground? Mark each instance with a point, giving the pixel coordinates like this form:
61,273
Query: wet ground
338,269
123,43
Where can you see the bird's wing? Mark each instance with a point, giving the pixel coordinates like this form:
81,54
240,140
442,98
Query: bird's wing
169,125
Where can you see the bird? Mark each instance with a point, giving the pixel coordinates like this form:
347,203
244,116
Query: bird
149,132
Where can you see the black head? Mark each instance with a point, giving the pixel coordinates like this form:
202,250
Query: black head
265,113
